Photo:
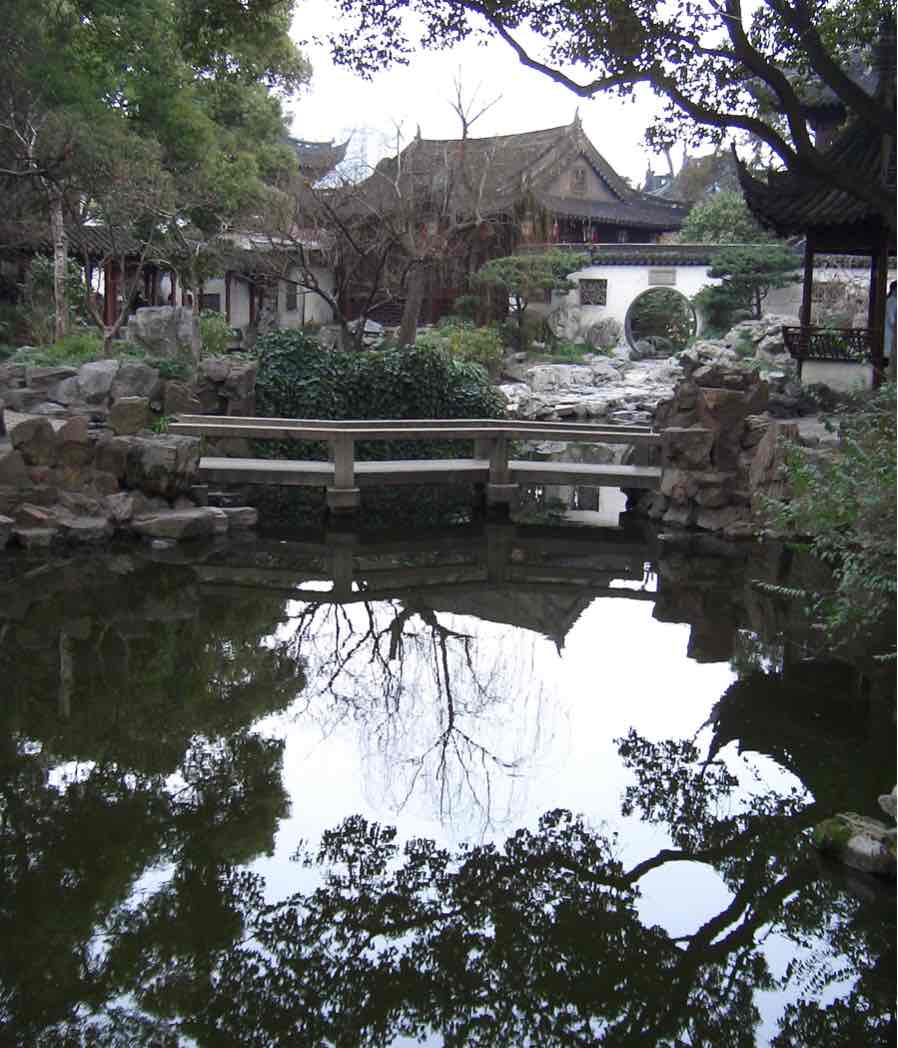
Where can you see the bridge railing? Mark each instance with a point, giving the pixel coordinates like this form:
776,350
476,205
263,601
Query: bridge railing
490,465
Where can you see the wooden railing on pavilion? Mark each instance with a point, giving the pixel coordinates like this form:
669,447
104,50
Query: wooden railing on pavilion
814,342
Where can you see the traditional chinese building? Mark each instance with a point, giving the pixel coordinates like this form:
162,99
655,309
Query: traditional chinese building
474,199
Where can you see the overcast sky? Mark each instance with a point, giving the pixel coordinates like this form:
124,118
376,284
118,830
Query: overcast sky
340,103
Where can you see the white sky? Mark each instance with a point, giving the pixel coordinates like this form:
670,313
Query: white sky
340,103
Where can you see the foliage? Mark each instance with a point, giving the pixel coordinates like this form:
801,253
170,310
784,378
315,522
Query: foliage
526,278
36,308
151,118
297,378
574,352
216,334
464,341
466,306
723,218
718,70
76,348
746,275
661,313
845,507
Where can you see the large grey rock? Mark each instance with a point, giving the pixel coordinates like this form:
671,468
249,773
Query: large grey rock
241,516
47,377
686,448
83,529
119,507
164,465
33,436
859,842
165,331
23,399
66,392
179,399
12,376
6,526
178,524
129,415
111,456
889,803
134,379
604,333
34,538
95,380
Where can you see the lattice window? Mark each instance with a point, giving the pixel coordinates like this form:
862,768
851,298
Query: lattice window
593,292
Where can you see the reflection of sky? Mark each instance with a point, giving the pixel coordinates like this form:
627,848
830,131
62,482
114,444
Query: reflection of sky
619,669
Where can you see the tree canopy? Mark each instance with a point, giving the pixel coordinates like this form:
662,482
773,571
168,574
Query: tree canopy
720,70
723,218
182,94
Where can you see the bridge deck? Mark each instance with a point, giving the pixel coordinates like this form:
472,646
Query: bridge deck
297,473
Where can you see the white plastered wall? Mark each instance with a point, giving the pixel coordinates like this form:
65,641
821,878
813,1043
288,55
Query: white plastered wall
627,283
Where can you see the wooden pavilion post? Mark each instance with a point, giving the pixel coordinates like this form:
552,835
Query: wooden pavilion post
807,287
876,310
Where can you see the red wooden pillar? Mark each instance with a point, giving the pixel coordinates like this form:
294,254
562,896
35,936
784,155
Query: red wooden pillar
227,284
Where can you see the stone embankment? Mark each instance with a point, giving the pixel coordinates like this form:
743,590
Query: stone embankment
79,461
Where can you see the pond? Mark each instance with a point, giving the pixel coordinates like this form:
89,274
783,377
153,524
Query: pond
487,785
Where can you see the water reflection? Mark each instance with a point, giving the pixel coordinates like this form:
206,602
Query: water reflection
146,706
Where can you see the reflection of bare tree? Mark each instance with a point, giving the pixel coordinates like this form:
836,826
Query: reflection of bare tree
428,698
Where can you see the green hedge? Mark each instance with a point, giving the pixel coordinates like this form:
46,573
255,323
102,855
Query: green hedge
298,378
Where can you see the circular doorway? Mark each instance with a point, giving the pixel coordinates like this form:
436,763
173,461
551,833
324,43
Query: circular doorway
660,322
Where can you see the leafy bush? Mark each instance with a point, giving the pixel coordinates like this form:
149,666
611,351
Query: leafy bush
216,334
76,348
845,507
298,378
466,342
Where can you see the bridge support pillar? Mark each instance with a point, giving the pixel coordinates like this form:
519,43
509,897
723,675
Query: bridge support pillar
343,500
501,497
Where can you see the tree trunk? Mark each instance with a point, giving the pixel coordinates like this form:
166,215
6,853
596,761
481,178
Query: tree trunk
60,260
408,327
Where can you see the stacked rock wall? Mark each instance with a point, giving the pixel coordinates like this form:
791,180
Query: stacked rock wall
720,453
78,461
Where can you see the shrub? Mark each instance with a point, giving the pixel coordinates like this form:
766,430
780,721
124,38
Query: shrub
216,334
571,352
298,378
845,507
466,342
466,306
76,348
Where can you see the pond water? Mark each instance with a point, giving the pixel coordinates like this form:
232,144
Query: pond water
493,785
